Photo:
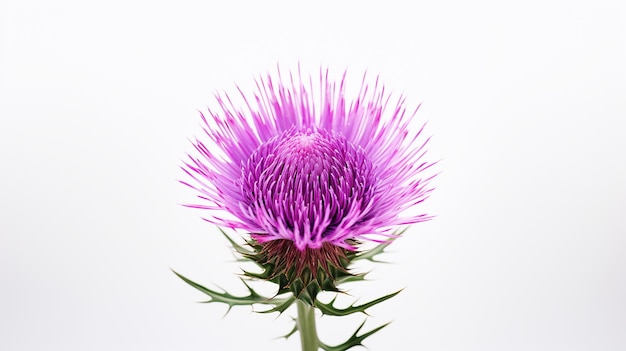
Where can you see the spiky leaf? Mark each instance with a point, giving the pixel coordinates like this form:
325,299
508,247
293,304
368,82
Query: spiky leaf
238,247
330,309
351,278
231,300
371,254
293,331
354,340
280,305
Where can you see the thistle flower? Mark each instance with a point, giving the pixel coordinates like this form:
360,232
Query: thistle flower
310,174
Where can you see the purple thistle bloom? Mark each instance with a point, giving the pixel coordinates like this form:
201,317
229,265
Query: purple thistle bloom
305,164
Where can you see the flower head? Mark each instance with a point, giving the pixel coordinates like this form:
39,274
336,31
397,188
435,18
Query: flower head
310,172
304,167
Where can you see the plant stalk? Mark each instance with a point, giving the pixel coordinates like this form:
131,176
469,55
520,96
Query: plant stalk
306,326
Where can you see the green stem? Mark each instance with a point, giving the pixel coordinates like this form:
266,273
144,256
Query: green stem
306,326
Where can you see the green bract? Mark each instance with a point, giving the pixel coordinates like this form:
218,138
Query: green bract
299,283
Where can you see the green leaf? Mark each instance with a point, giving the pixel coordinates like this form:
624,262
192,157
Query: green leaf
354,340
351,278
231,300
293,330
329,309
280,305
371,254
238,247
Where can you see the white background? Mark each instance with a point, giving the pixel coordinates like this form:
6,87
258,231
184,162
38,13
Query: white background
526,102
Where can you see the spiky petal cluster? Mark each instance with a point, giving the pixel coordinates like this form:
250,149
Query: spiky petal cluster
304,163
